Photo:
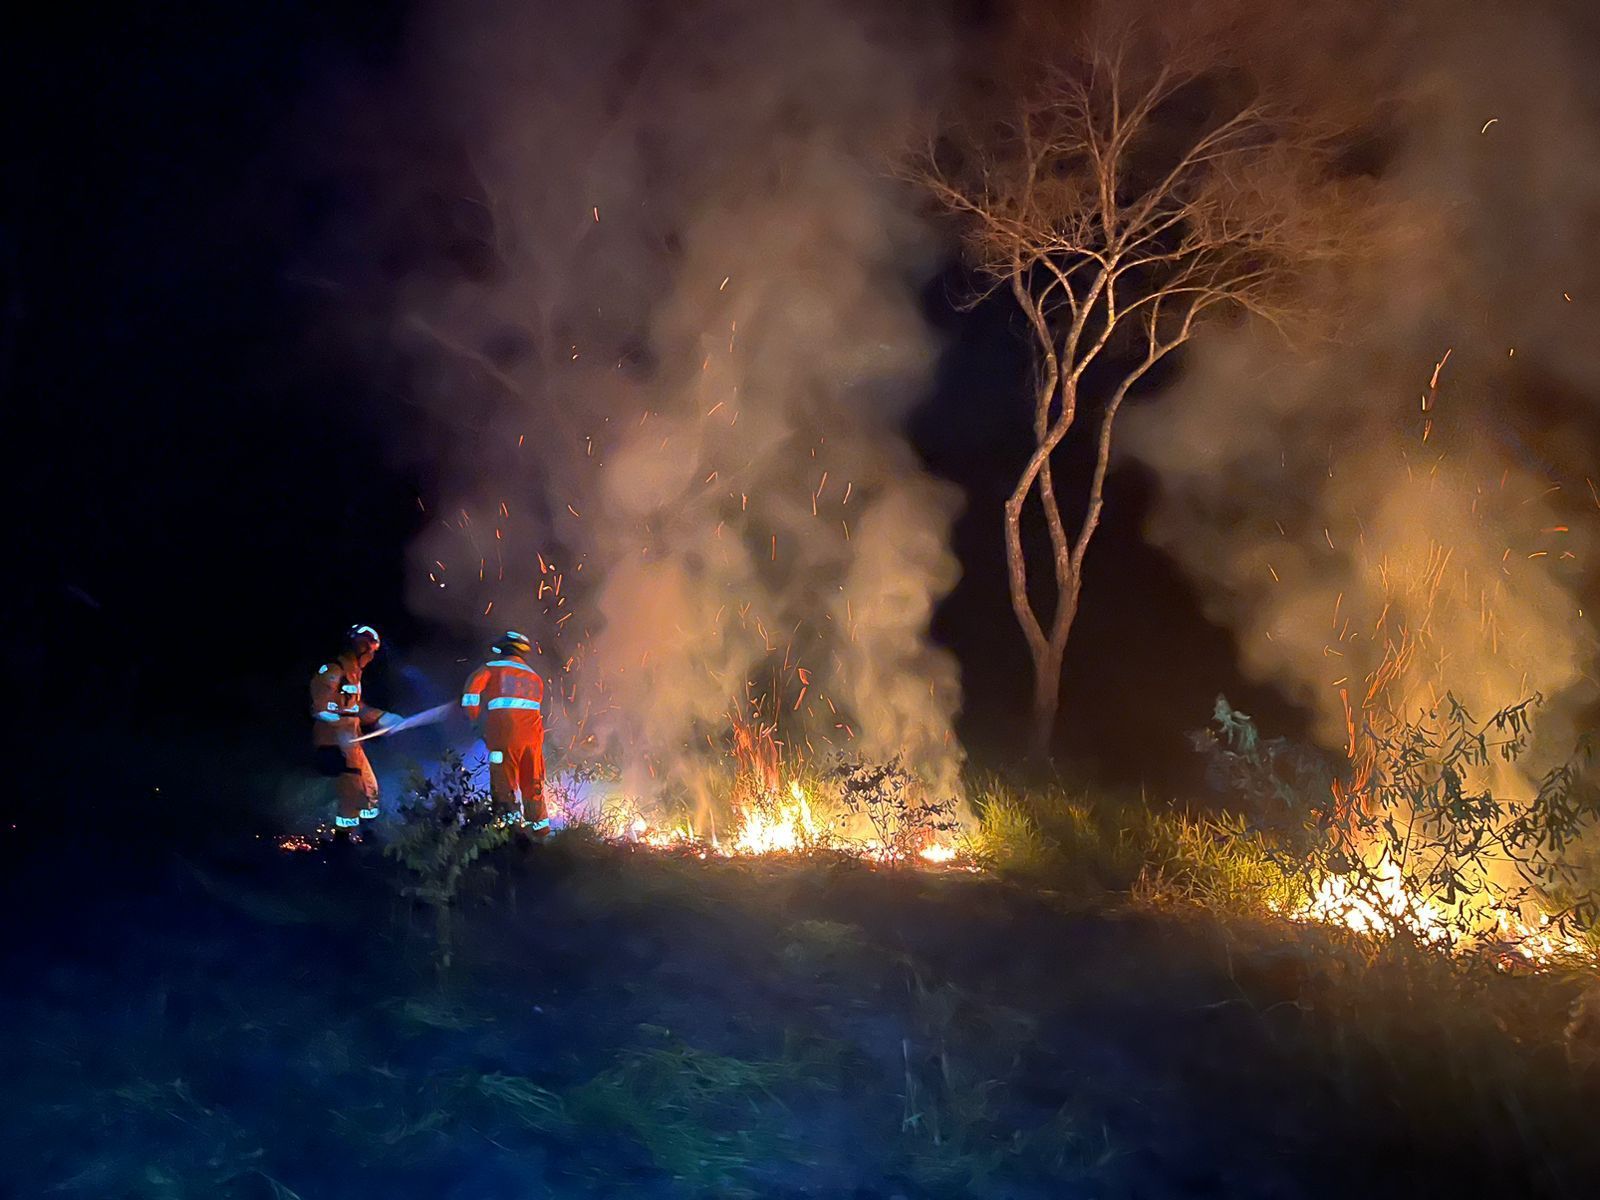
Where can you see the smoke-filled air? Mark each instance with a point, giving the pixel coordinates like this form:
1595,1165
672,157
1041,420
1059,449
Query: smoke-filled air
1383,511
691,343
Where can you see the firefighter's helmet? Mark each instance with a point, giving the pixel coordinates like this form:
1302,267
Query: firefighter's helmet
512,640
363,633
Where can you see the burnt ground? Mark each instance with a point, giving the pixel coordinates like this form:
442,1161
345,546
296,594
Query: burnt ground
241,1022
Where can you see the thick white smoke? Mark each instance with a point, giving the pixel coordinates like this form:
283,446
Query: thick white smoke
1344,503
687,357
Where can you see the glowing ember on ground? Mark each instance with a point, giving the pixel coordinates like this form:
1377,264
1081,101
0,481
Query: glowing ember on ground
318,839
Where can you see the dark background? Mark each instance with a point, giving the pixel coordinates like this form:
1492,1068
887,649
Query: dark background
200,500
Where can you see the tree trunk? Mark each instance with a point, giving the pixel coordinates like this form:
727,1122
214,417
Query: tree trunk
1047,668
1046,650
1046,707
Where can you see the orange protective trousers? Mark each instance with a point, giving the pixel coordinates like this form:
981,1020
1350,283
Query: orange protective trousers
516,766
510,695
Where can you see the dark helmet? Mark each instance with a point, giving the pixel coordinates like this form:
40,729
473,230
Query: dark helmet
362,633
510,641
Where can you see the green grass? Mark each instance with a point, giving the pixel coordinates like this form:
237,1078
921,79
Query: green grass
1081,842
922,1029
523,1101
708,1120
418,1014
1218,863
813,948
207,1151
1378,1024
847,1019
1008,837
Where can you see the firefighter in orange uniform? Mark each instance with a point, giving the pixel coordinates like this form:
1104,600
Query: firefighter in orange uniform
338,716
510,695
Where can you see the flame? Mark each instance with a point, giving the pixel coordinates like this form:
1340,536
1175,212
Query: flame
772,812
1437,603
765,824
786,828
644,833
1382,904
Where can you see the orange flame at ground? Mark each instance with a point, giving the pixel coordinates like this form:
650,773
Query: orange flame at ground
786,827
1380,904
771,817
774,816
1438,608
766,826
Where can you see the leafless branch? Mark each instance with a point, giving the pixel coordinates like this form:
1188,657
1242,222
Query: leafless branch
1121,202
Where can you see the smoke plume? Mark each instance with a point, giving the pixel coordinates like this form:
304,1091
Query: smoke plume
1359,509
682,333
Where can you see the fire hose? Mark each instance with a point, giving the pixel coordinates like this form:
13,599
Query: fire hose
431,716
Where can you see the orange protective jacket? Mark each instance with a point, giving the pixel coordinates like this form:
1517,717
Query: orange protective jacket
337,716
509,695
337,712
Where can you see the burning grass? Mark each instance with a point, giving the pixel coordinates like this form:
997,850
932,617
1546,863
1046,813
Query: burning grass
1424,850
1415,856
1409,850
755,803
1434,834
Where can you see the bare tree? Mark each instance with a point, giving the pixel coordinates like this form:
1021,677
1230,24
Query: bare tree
1122,194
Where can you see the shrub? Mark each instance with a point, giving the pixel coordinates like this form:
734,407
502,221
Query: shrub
1274,781
903,816
1416,843
446,823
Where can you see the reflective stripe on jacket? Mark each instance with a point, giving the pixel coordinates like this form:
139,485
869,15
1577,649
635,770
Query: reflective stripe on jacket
507,686
336,706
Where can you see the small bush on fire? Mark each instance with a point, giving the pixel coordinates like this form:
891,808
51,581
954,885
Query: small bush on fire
1411,840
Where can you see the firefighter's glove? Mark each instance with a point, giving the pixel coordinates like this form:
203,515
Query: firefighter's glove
389,720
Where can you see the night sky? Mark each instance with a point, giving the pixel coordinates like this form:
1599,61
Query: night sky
208,475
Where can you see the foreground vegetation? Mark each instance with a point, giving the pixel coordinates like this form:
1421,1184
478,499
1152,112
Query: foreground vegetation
1113,1004
626,1021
